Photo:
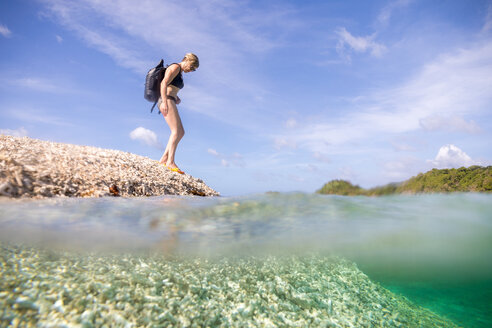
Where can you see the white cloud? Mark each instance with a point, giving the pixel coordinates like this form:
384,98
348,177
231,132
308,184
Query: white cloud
358,44
20,132
450,156
59,39
5,31
212,152
146,136
449,123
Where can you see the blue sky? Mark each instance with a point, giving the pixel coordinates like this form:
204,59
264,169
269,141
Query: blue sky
289,94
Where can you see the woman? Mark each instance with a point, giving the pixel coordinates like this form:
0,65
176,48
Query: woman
170,85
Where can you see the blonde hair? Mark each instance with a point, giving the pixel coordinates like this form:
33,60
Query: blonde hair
192,59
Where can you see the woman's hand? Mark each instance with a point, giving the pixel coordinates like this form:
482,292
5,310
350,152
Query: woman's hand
163,108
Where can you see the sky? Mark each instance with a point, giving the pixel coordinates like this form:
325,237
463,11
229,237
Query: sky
288,96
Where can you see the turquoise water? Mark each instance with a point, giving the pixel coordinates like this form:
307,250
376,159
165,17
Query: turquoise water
435,250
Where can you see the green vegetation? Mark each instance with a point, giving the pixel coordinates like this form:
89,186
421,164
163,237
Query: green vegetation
341,187
471,179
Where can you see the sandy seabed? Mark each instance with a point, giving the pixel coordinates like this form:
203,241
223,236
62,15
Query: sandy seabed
48,288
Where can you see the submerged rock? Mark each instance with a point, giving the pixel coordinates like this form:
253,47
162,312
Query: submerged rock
36,168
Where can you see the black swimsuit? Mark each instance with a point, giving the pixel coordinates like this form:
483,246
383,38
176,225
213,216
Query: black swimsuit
178,80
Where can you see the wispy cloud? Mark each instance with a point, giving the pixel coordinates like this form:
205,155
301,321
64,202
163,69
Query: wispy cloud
488,19
146,136
348,43
347,173
321,157
213,152
235,159
59,39
284,142
20,132
449,123
186,23
400,146
135,34
402,168
456,84
87,21
40,84
4,31
37,115
387,11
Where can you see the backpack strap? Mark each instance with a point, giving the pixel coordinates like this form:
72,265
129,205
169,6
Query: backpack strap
155,102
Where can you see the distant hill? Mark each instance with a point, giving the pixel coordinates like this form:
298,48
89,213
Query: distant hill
464,179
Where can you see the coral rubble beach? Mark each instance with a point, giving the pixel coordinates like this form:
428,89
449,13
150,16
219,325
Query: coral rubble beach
31,168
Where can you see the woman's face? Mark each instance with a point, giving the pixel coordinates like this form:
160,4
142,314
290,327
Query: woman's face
188,67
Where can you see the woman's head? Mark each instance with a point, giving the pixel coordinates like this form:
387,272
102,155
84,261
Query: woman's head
191,62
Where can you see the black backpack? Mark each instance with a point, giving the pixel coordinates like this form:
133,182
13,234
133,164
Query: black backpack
153,83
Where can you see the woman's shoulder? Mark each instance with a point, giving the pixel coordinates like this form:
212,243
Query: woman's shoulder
173,65
172,70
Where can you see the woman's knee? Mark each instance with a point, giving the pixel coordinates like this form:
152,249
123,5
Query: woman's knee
178,133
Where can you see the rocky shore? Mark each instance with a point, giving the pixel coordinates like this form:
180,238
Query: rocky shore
31,168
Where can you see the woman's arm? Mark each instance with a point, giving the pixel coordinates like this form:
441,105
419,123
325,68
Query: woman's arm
170,74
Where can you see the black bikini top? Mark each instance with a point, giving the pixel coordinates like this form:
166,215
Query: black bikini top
178,80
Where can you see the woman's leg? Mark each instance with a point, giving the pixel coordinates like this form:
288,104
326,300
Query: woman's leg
164,157
177,133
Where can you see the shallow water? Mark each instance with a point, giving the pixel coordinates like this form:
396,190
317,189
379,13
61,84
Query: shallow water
432,249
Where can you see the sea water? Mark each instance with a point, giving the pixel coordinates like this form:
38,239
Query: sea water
429,252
